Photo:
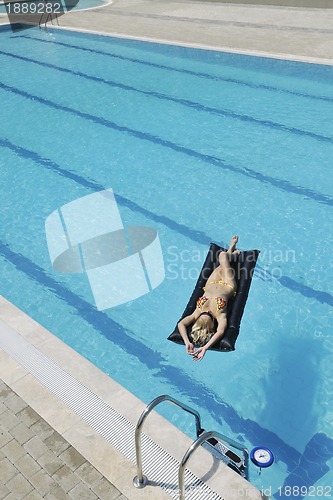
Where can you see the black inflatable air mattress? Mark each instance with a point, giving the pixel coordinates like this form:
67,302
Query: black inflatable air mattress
243,268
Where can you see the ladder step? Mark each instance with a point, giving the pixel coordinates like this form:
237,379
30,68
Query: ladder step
225,454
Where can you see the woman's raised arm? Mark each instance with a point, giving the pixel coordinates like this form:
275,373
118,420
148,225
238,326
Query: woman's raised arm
182,327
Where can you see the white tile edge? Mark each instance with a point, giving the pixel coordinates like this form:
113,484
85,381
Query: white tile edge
25,325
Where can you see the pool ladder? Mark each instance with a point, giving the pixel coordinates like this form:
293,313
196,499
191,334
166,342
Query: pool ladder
215,442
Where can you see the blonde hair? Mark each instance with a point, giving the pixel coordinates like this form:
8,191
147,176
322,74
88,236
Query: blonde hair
202,331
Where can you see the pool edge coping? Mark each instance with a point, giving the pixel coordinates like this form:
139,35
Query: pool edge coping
190,45
78,433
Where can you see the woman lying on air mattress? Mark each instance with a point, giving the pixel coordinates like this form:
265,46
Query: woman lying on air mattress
212,317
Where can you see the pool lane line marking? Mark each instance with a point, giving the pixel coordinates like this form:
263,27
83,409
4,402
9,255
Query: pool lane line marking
285,186
184,71
126,340
194,235
183,102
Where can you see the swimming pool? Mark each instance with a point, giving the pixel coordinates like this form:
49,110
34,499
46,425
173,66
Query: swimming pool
198,145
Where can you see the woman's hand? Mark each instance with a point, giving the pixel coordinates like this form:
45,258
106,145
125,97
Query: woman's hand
190,349
199,354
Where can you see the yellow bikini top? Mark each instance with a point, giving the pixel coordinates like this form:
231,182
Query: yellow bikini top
220,302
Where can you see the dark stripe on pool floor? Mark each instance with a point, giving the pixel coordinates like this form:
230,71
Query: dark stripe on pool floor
184,71
218,162
195,235
194,390
183,102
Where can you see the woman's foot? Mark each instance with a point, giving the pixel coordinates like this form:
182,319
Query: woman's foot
233,244
232,252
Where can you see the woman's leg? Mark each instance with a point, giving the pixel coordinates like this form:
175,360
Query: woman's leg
226,270
232,252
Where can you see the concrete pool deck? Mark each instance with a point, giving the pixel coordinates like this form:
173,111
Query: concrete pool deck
303,34
37,462
287,32
52,447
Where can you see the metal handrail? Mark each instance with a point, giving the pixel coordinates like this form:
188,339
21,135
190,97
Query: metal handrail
140,481
201,439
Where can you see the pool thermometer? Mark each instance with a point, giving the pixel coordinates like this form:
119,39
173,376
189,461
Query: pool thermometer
262,457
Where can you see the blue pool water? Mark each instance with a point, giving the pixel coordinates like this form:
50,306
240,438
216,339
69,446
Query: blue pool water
198,145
